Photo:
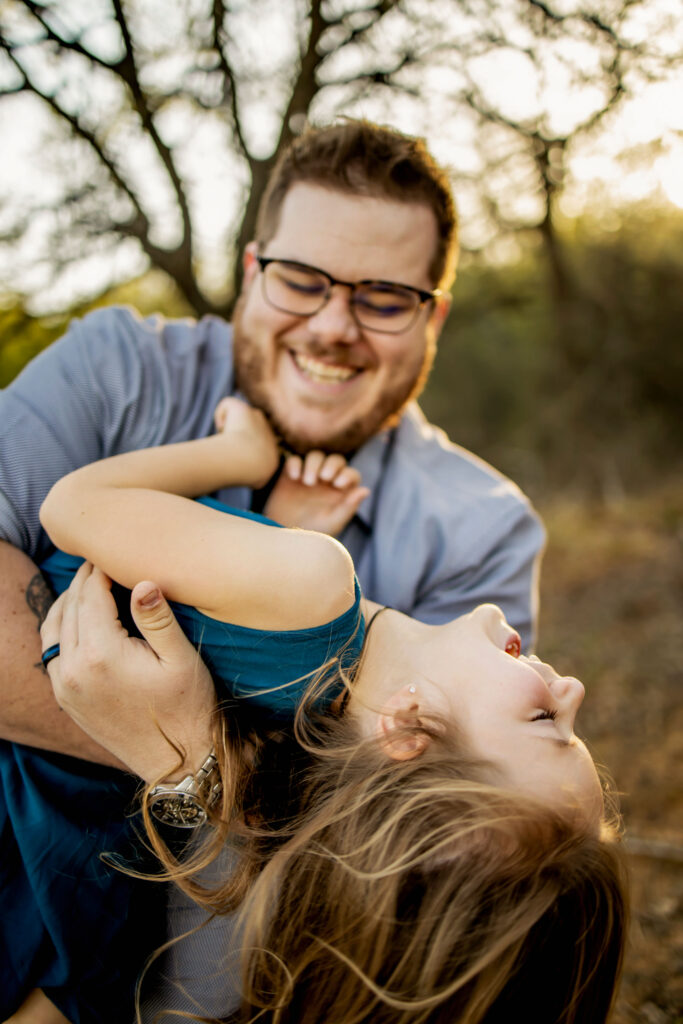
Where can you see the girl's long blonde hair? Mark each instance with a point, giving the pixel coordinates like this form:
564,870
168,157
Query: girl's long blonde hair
400,892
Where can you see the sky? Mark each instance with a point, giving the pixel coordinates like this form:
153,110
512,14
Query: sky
636,157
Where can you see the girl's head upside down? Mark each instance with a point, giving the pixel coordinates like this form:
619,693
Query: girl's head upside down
441,849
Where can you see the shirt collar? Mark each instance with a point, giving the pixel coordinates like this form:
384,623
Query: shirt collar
370,461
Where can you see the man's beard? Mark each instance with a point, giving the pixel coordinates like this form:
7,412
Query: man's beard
249,374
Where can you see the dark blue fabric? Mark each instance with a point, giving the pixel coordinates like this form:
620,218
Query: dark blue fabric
62,906
71,923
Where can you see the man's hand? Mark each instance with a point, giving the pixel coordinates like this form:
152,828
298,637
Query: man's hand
132,696
320,492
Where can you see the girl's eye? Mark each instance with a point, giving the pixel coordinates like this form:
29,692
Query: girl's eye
550,713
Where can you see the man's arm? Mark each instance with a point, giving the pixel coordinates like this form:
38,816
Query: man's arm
113,383
28,711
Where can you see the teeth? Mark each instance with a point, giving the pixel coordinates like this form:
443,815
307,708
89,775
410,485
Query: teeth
322,371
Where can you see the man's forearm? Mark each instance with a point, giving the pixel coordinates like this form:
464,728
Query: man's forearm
28,711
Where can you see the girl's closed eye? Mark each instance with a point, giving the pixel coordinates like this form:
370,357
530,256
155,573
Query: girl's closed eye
550,713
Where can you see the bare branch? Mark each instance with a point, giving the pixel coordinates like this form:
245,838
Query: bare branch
76,126
218,15
303,91
356,34
74,45
127,69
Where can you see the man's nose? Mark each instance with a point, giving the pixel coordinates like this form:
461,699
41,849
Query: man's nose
334,321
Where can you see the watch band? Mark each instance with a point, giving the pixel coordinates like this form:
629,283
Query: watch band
185,803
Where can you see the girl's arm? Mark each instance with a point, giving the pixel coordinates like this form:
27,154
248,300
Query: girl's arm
130,516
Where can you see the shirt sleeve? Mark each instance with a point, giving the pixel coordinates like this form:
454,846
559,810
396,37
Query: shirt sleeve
69,406
503,568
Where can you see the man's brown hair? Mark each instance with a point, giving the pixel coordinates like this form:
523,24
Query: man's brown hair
366,159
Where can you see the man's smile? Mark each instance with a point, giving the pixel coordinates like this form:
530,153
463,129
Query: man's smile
322,372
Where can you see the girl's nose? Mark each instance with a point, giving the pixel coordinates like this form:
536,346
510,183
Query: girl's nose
569,690
568,693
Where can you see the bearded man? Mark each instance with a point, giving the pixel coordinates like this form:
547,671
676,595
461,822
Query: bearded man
334,334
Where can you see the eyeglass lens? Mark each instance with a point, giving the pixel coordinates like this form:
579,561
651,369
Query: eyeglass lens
302,291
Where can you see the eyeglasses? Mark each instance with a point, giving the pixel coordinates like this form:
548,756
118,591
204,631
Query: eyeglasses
380,306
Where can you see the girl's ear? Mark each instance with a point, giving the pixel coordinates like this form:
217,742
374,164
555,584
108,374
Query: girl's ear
401,713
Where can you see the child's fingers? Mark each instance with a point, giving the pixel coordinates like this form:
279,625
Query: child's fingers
293,466
355,498
312,465
348,477
332,465
221,413
346,510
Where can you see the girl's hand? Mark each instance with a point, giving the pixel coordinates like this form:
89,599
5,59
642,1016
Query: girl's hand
243,425
320,492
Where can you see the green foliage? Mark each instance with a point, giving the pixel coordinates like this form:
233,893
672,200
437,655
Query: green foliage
581,395
23,336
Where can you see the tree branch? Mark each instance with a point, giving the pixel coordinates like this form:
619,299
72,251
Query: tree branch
77,127
127,69
218,15
303,91
65,44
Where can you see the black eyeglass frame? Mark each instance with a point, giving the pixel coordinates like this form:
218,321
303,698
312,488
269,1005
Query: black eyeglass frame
423,295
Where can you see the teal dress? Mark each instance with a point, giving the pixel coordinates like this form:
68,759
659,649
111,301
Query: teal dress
72,924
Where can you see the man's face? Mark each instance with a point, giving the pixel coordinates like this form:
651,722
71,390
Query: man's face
324,381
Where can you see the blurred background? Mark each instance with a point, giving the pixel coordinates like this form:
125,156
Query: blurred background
136,139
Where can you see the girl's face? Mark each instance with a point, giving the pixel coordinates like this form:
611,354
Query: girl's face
516,711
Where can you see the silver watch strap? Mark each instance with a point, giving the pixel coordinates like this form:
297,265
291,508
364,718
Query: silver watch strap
205,782
185,803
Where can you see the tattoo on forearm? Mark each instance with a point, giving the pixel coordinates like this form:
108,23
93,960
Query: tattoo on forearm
39,598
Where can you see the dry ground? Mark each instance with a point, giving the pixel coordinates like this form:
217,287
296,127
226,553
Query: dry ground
612,613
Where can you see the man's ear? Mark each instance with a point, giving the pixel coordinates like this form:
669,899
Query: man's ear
400,714
442,307
249,262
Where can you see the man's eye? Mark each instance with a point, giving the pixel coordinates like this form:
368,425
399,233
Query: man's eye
550,713
384,302
303,286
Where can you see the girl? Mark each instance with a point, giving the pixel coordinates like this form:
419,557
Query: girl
445,838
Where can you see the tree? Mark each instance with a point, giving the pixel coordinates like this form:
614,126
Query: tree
599,54
150,103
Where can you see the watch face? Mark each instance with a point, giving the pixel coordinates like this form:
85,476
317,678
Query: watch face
180,809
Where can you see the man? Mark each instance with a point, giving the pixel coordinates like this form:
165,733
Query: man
335,368
334,335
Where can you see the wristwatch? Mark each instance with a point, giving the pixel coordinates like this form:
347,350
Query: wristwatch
185,804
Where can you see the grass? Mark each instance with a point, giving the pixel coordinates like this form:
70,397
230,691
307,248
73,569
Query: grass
612,614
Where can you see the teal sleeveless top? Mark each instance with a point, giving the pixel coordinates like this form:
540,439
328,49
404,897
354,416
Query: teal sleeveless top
267,669
71,924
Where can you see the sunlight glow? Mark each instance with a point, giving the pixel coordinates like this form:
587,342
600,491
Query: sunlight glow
672,180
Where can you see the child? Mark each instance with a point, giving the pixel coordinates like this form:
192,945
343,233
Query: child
270,607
